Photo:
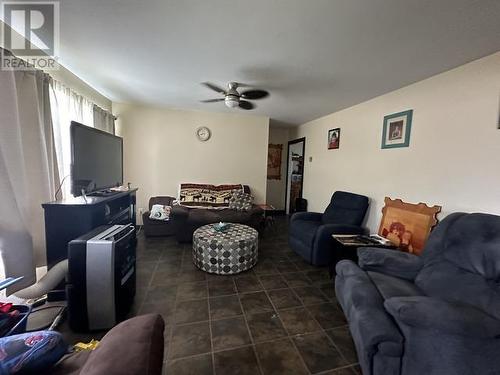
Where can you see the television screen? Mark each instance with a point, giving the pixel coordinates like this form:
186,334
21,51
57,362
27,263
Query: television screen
96,159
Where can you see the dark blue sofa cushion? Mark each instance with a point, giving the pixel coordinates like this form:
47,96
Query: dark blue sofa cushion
390,286
390,262
460,318
345,208
468,267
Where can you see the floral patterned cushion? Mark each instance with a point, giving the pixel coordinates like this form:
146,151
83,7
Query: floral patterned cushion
240,201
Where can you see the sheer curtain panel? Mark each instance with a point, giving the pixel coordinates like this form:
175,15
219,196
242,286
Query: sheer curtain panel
104,120
28,171
67,106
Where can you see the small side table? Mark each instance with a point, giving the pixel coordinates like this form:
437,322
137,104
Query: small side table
345,247
269,213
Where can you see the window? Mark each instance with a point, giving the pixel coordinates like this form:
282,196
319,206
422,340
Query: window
66,106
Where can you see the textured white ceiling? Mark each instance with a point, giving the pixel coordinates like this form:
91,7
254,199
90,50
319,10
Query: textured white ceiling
314,56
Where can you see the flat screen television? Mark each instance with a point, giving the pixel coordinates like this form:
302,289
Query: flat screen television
96,159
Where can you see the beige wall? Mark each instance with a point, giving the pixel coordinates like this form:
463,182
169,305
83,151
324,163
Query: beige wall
454,154
69,79
161,149
276,188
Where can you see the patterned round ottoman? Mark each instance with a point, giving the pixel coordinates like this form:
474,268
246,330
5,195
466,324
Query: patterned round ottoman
228,252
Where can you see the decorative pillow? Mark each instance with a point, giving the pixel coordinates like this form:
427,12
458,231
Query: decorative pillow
206,196
240,201
160,212
30,352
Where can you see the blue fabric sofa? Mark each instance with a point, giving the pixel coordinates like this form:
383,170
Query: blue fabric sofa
434,314
310,233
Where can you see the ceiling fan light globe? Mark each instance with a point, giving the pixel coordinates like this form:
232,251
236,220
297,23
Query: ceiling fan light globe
231,101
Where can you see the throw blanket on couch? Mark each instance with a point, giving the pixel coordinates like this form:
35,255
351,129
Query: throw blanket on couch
206,196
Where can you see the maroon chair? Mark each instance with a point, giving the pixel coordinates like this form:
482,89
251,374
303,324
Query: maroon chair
158,228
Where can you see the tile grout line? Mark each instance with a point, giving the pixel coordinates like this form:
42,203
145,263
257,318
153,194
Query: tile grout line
212,354
147,287
284,328
337,348
323,330
292,336
141,304
254,347
171,333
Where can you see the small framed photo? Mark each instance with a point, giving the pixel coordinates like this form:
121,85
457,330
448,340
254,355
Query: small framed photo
333,138
397,129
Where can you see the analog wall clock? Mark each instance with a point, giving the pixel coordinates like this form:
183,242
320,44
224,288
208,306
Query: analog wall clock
203,133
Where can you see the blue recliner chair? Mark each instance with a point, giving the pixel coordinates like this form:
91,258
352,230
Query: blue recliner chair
310,233
437,314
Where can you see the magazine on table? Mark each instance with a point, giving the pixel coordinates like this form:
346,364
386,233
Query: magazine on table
361,240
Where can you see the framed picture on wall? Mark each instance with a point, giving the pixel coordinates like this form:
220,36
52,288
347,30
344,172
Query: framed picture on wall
397,129
274,162
333,138
407,225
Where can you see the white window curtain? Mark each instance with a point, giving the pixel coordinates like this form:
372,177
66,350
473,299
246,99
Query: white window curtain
67,106
28,171
104,120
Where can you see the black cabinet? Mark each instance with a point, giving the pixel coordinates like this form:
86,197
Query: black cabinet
70,218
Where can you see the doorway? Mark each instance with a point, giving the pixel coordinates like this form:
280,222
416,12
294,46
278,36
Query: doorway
295,173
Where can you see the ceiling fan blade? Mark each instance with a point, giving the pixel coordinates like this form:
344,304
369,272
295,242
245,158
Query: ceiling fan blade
214,87
239,84
212,100
254,94
246,105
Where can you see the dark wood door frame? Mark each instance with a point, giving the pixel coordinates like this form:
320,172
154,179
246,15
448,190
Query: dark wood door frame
298,140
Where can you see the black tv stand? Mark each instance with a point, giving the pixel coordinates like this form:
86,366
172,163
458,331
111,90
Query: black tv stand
73,217
102,193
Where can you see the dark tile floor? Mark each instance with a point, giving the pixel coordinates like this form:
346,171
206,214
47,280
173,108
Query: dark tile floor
281,317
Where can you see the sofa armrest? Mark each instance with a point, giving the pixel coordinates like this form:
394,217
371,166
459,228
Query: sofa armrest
308,216
372,327
390,262
447,317
133,347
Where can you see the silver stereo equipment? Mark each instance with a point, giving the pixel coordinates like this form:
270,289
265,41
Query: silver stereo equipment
101,277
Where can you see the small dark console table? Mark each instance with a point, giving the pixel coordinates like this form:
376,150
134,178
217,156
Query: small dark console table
345,246
70,218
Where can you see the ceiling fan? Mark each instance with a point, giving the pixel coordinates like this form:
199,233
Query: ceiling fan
232,98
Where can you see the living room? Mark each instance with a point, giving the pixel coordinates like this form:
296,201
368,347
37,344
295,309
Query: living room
250,188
